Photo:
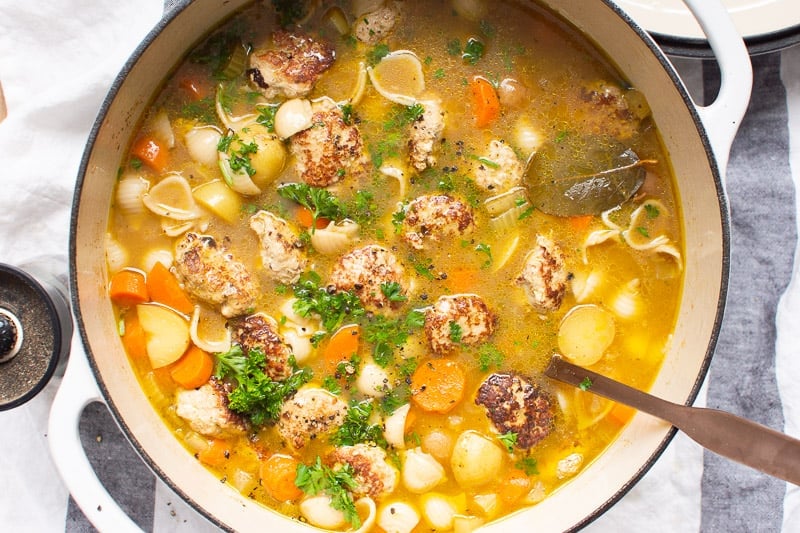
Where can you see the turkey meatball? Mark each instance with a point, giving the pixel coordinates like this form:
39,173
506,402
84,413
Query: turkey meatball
310,413
434,218
544,276
458,319
364,271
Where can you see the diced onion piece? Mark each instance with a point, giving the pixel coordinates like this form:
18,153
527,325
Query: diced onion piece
439,443
499,204
160,255
628,301
116,255
421,471
208,330
372,381
243,481
219,199
536,494
336,18
440,510
394,427
398,77
584,284
467,524
130,191
361,85
476,459
362,7
590,408
238,180
502,256
397,517
319,512
293,116
166,333
598,237
472,10
161,129
335,238
569,465
172,198
195,441
202,142
527,138
487,503
585,334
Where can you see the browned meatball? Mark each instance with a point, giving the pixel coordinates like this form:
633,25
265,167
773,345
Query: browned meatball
212,274
281,249
544,276
363,271
425,131
330,149
291,66
458,319
206,410
605,110
310,413
515,405
374,476
434,218
261,331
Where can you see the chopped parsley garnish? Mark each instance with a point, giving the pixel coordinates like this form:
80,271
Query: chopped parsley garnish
643,231
651,210
256,395
438,74
393,292
239,153
527,465
454,47
356,427
473,51
488,355
586,384
456,332
135,163
202,110
398,217
331,385
509,440
525,214
347,113
331,306
378,52
488,162
338,484
486,250
319,201
362,208
266,116
387,334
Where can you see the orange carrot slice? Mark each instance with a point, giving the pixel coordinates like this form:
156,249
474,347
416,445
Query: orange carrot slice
193,369
165,289
437,385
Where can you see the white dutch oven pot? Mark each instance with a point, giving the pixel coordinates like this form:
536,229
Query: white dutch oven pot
697,139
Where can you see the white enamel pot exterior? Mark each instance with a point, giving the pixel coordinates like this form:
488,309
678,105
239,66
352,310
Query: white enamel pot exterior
697,139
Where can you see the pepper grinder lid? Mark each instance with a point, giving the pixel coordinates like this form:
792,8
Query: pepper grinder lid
35,328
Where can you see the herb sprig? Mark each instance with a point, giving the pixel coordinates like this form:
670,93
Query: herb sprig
338,484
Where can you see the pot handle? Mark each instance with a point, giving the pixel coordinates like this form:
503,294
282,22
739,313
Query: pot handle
78,389
723,117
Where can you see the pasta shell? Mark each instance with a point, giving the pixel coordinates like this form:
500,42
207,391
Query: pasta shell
398,77
130,191
337,237
208,331
172,198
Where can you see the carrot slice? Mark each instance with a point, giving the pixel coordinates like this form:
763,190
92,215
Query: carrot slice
342,345
128,288
277,477
485,102
514,486
165,289
306,219
217,452
133,339
580,223
437,385
462,280
151,152
193,369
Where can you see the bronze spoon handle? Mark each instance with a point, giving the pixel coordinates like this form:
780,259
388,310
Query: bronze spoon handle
741,440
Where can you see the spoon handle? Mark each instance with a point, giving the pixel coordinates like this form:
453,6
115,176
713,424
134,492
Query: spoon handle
736,438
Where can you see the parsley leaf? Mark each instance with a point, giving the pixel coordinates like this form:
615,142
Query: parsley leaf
527,465
238,152
319,201
256,395
586,384
356,427
378,52
337,484
488,355
487,250
266,116
331,306
473,51
387,334
456,332
393,292
509,440
652,211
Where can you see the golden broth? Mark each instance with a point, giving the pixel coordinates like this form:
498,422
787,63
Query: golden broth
554,64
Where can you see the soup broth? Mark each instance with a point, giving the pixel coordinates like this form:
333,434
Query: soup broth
350,235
